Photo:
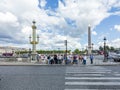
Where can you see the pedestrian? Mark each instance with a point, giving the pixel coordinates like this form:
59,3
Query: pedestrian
48,58
51,59
80,58
55,59
84,60
91,59
75,59
38,57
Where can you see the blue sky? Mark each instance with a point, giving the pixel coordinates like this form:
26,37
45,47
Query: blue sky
57,20
106,28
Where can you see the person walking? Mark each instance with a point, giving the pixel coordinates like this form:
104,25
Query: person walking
84,59
55,59
80,58
48,58
75,59
91,59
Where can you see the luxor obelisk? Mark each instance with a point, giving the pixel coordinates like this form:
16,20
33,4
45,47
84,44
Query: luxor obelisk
89,39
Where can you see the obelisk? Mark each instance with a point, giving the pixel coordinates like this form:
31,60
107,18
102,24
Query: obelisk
89,39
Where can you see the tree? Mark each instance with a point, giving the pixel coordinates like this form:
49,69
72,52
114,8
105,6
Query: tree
112,48
107,48
101,48
76,51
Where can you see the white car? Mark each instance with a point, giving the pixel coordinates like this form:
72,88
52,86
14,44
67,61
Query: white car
116,58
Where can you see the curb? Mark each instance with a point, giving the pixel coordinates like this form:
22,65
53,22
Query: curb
40,64
107,65
29,64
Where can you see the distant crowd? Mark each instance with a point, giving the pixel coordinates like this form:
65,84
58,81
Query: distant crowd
62,59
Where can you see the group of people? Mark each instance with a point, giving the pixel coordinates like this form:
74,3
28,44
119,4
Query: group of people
82,59
62,59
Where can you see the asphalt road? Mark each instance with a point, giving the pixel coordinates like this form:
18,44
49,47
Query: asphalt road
59,77
32,77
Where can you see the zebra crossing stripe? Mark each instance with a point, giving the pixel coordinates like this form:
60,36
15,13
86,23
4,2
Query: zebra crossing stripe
86,75
81,89
93,83
86,72
92,78
89,89
117,74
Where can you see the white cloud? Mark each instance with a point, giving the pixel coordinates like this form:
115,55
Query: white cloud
94,32
42,3
117,27
115,43
70,19
8,17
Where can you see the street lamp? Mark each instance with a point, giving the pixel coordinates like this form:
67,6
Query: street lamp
58,50
34,40
104,49
86,50
92,48
66,52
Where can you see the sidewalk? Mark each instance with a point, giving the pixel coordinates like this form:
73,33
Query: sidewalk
100,62
19,63
95,62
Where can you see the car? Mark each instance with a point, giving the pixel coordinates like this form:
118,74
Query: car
116,58
111,55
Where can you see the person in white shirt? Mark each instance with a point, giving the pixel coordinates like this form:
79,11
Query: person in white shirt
84,59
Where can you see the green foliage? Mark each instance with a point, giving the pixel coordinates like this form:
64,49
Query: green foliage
107,48
76,51
52,51
21,52
101,48
112,48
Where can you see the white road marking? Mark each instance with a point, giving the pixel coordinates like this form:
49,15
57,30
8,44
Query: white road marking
80,89
87,75
92,83
92,78
86,89
117,74
85,72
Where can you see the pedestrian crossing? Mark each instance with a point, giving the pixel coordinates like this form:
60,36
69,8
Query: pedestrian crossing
91,78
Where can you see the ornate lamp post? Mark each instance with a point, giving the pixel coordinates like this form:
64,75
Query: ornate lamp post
104,49
34,39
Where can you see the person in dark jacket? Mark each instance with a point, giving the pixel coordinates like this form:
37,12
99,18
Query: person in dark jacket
75,59
55,59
